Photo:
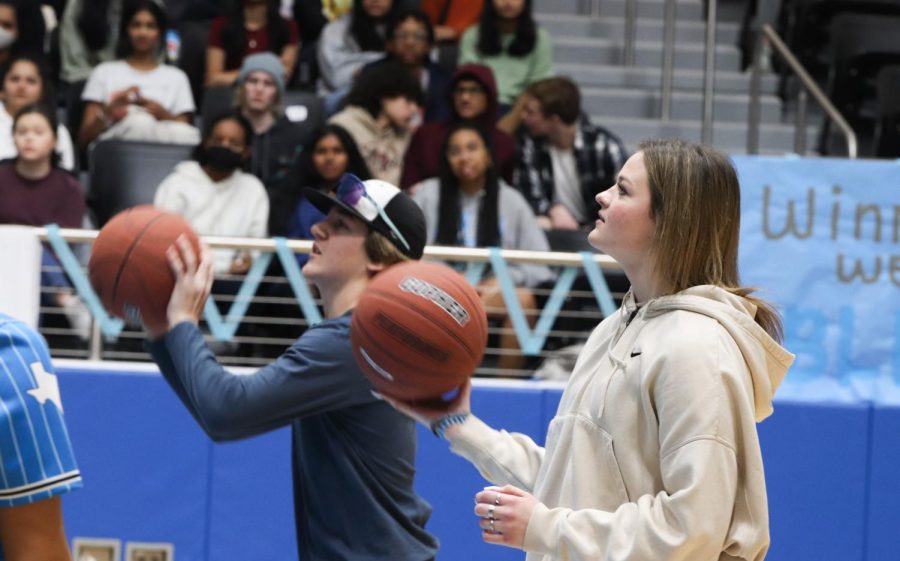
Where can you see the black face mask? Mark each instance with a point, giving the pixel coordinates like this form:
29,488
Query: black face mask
220,158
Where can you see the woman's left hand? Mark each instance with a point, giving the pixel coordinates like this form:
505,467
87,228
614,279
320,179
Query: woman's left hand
505,513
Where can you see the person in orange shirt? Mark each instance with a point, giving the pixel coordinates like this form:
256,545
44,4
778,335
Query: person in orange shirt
451,17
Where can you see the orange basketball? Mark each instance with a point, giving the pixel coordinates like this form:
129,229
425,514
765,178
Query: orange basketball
128,266
419,331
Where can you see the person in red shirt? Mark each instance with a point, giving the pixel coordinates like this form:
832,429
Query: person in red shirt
36,192
251,26
473,97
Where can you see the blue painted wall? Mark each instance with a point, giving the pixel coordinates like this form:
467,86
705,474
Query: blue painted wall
152,475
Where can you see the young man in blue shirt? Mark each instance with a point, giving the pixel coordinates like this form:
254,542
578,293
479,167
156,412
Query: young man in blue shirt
354,456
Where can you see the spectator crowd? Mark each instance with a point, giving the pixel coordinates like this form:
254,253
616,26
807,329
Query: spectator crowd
454,101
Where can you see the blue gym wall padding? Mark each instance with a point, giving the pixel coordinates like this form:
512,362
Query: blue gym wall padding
144,461
152,475
815,458
883,531
251,495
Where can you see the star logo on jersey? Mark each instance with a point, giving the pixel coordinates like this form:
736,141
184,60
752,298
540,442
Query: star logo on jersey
47,386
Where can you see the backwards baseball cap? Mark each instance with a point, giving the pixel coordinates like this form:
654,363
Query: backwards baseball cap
382,206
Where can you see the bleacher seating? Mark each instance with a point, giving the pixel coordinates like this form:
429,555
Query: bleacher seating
126,173
862,44
807,25
887,126
305,109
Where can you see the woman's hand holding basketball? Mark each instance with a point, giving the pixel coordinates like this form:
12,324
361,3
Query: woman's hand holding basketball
427,413
193,281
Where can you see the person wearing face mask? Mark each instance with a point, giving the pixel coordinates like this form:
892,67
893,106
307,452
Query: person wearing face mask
380,113
215,195
21,29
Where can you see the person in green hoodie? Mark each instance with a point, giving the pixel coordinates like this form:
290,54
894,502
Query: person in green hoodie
653,453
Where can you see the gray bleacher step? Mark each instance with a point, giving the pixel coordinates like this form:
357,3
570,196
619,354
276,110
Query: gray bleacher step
564,25
645,104
648,54
691,10
729,137
597,75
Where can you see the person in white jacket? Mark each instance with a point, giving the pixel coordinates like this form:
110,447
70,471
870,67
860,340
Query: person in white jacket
215,195
653,453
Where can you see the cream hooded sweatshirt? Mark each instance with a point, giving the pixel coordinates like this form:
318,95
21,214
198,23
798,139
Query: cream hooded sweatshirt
653,453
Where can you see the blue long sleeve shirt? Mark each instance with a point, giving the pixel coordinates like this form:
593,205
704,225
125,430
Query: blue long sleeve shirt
353,455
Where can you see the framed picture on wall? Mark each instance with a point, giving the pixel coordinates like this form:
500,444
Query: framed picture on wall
96,549
139,551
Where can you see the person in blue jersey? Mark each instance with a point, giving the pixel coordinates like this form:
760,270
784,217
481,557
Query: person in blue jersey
37,464
353,455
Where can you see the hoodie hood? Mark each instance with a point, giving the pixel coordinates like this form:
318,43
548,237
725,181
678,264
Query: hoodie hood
358,122
484,76
191,170
767,361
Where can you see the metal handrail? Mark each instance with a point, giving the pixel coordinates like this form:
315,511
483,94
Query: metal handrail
531,338
668,61
589,7
478,255
753,115
709,73
630,32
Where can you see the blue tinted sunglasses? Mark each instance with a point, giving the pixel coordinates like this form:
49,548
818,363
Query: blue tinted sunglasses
352,192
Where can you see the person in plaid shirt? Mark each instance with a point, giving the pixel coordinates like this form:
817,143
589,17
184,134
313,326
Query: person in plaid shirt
562,159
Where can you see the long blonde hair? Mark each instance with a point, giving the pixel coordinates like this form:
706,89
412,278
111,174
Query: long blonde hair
696,205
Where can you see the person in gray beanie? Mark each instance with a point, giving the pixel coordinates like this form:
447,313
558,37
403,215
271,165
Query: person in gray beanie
259,98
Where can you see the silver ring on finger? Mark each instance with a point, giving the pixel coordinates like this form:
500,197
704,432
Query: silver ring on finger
490,514
497,499
491,523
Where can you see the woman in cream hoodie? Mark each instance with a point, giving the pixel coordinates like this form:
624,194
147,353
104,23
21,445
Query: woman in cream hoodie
653,453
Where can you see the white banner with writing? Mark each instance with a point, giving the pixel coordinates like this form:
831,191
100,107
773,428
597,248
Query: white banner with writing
821,239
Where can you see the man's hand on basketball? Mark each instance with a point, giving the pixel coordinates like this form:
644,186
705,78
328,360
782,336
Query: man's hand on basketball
428,413
193,281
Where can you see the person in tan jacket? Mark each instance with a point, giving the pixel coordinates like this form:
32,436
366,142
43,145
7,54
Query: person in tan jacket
653,453
381,113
